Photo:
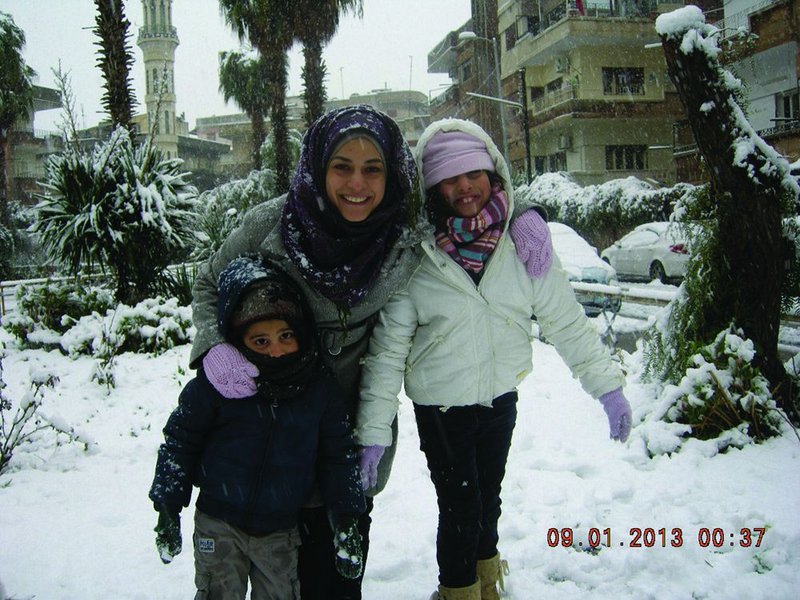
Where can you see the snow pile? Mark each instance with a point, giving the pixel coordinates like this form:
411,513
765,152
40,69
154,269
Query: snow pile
78,525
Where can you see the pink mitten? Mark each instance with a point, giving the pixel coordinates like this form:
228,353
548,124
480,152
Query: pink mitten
531,236
230,372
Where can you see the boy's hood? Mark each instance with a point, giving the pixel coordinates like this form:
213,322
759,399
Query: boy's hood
240,274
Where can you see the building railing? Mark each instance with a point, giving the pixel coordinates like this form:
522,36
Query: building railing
733,22
551,99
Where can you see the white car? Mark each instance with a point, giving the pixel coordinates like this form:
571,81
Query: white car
651,251
581,262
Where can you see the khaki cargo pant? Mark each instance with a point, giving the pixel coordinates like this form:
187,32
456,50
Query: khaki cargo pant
225,558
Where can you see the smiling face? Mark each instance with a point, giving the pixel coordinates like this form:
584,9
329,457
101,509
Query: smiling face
271,337
355,179
466,194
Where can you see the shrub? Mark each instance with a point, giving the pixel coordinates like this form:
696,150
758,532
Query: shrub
23,425
53,307
121,206
6,251
721,397
224,206
152,326
605,212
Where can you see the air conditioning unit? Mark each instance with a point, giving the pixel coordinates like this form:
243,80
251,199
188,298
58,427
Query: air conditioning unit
562,64
564,142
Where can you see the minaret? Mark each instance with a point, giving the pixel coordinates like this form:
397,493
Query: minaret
158,40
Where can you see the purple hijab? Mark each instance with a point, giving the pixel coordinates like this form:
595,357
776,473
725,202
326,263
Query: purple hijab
340,259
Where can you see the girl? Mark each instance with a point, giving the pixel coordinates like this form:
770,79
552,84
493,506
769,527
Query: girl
460,337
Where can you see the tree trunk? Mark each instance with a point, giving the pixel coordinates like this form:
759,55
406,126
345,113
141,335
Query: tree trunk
115,61
259,134
749,271
277,66
314,79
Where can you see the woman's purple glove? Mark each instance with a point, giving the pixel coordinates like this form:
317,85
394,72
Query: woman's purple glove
368,459
619,414
230,372
531,236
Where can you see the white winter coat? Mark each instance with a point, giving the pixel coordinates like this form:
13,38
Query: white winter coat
458,343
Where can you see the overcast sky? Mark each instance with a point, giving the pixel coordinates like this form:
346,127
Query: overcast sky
387,48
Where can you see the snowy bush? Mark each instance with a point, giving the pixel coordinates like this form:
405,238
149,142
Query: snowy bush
29,422
223,207
53,307
6,251
152,326
87,320
122,206
602,213
267,151
721,397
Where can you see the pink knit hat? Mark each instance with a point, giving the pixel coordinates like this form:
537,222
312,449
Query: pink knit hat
450,153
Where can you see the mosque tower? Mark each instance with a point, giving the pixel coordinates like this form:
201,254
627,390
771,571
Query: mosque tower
158,40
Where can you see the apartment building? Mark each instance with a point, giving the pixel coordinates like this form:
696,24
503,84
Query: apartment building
767,64
598,101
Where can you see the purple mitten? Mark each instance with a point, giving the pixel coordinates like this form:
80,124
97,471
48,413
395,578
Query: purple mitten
368,459
531,236
230,372
619,414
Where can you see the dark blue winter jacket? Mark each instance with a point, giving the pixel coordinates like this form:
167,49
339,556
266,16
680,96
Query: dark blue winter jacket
256,460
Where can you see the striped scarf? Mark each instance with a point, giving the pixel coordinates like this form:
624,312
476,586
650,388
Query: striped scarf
470,240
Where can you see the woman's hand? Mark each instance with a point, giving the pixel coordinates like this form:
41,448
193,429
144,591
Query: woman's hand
231,374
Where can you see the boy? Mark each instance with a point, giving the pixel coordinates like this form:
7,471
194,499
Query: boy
257,459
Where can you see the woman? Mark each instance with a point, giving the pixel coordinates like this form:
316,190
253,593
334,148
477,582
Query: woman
459,336
343,232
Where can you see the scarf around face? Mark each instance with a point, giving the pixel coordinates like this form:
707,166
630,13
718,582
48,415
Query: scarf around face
340,259
471,240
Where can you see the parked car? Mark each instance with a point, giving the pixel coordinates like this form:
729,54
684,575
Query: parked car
651,251
581,262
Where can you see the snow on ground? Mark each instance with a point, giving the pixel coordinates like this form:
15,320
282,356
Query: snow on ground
77,525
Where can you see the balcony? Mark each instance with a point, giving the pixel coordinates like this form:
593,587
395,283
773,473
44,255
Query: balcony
552,99
560,28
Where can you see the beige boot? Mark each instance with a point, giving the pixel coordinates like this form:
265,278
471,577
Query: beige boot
472,592
490,574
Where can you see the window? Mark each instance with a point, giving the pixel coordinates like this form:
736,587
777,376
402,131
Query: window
511,37
619,81
555,85
536,92
550,163
166,121
466,70
787,106
557,162
626,158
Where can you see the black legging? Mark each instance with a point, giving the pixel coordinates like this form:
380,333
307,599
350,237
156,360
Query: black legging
466,448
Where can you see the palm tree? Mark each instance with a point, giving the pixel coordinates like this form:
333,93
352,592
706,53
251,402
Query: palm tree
317,23
267,26
241,78
115,61
16,94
